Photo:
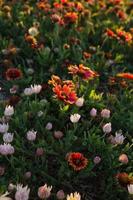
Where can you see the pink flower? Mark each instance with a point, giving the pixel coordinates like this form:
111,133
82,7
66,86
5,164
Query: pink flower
44,192
105,113
22,193
31,135
6,149
58,134
93,112
97,160
60,195
107,128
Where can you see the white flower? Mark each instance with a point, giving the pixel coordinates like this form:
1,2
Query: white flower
75,118
4,128
130,189
75,196
36,88
93,112
4,197
49,126
119,138
44,191
28,91
105,113
8,137
40,113
9,111
31,135
107,128
33,31
22,193
80,102
6,149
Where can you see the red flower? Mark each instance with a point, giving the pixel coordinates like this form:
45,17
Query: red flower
126,75
77,161
124,179
70,17
13,74
85,72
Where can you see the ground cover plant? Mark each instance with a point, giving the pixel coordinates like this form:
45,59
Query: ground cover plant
66,99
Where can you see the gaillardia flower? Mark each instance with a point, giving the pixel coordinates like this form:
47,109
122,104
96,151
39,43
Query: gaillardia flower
77,161
13,74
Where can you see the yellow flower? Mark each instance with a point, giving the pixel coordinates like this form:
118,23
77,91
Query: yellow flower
75,196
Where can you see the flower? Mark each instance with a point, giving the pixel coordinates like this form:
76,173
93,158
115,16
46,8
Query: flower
6,149
4,128
58,134
75,118
60,195
123,158
119,138
22,193
8,137
123,178
39,151
27,175
80,102
9,111
49,126
4,197
31,135
75,196
85,72
107,128
13,74
125,75
130,189
77,160
44,191
33,31
93,112
36,88
105,113
97,160
28,91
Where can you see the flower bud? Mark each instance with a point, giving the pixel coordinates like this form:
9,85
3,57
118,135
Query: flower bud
60,195
39,152
58,134
80,102
123,158
105,113
107,128
93,112
97,160
49,126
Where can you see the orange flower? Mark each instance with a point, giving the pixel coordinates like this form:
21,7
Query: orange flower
124,179
77,161
85,72
65,93
125,75
70,17
13,74
64,90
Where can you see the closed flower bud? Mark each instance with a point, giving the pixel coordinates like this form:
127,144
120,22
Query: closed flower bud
58,134
80,102
75,118
31,135
49,126
107,128
97,160
9,111
27,175
8,137
11,187
28,91
39,152
123,158
105,113
60,195
93,112
30,71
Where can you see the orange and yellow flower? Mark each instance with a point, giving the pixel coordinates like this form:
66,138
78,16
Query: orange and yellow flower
85,72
